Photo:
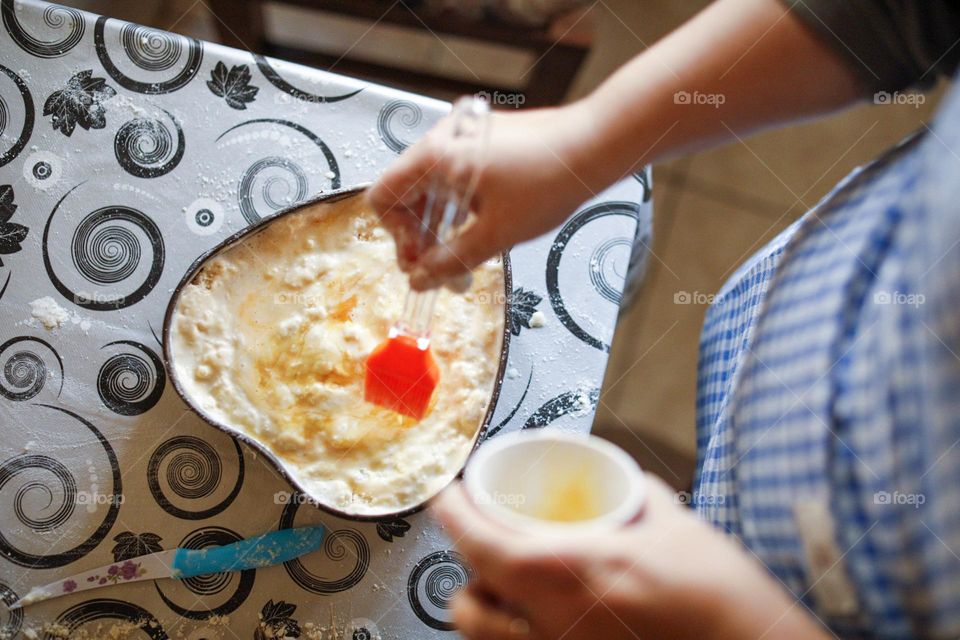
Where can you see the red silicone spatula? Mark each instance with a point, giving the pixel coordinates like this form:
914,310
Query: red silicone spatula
401,373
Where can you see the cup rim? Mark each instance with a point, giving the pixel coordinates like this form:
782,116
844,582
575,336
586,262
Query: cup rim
621,515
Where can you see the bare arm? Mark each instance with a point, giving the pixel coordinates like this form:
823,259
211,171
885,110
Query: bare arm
756,63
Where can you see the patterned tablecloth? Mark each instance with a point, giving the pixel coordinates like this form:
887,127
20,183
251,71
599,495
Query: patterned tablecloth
124,153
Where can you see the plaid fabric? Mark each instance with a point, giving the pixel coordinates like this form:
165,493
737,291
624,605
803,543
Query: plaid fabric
830,372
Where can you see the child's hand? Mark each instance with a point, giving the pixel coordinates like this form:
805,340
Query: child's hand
529,181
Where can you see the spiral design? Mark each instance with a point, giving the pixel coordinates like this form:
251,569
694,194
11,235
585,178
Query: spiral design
277,182
274,182
432,585
277,81
103,252
37,495
150,49
443,583
19,141
145,147
191,470
54,17
92,611
24,500
130,383
107,247
210,584
601,253
408,113
153,53
342,546
25,372
10,627
603,264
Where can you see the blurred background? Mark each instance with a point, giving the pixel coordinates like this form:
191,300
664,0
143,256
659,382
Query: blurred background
712,210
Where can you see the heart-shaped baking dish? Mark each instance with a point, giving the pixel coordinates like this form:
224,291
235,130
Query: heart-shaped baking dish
285,466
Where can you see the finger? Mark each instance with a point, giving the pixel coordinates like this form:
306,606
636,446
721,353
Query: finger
476,617
402,225
407,178
443,262
485,543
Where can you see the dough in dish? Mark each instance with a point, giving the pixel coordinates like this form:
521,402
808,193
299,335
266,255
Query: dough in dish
270,338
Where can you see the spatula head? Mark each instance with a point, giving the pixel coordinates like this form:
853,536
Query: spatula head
401,376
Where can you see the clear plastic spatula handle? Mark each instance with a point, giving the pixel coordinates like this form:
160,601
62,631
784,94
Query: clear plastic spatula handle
445,209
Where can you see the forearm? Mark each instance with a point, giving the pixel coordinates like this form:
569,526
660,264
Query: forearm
744,65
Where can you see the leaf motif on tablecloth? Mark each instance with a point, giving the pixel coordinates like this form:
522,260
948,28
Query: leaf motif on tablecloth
233,86
11,233
132,545
523,304
276,621
390,529
79,103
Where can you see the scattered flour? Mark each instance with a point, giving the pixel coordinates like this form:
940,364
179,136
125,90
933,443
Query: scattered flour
538,320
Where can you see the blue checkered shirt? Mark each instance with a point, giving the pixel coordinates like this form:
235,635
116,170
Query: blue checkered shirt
830,374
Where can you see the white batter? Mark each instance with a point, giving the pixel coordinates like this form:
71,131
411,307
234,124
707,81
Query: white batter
271,337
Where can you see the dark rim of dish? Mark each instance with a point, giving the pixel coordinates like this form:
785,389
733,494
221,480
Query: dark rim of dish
192,271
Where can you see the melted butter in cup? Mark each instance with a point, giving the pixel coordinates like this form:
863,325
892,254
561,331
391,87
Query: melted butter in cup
555,483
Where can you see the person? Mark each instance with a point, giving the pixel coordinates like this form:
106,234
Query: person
827,495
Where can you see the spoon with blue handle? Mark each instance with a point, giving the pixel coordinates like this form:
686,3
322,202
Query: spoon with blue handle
271,548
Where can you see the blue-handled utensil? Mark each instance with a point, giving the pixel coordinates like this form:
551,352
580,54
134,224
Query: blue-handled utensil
271,548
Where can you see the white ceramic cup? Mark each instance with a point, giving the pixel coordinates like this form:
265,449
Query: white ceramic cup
555,483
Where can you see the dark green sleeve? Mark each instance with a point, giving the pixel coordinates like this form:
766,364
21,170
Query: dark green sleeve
889,44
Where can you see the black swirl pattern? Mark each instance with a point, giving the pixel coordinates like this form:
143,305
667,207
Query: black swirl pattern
145,147
408,113
130,383
209,584
603,264
54,17
20,141
432,584
152,51
107,609
274,78
25,372
11,468
106,251
492,431
192,470
575,402
275,181
572,226
342,546
10,623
